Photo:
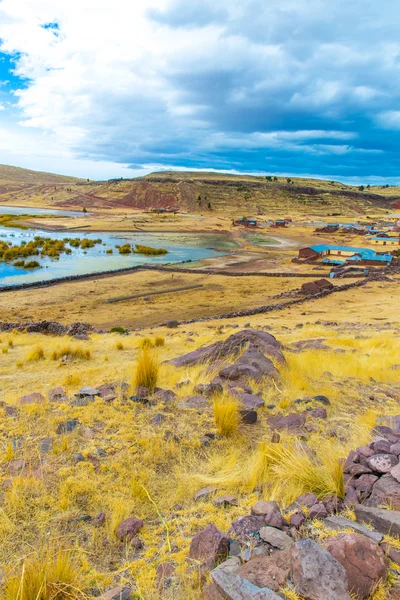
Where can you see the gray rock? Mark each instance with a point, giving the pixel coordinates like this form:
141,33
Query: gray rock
337,522
276,538
233,587
231,565
45,445
246,527
382,463
67,426
385,491
205,492
249,400
316,574
384,521
117,593
57,394
291,422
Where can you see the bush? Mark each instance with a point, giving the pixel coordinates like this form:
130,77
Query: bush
118,330
226,415
125,249
147,369
119,346
149,251
159,341
32,264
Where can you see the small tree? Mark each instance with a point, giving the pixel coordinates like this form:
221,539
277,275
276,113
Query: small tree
84,210
209,205
268,178
361,188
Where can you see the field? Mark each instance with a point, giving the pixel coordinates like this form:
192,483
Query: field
72,469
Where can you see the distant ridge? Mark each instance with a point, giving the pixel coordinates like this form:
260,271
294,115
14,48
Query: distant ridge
14,175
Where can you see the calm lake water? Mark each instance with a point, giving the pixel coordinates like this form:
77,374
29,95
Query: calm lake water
20,210
180,247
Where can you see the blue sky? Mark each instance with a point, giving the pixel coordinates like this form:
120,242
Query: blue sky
297,87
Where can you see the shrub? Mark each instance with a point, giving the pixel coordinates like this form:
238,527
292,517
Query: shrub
36,354
19,263
71,353
147,369
125,249
119,346
149,251
118,330
159,341
226,415
50,574
32,264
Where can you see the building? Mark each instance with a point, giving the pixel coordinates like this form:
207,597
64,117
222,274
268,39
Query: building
385,240
280,223
341,255
245,222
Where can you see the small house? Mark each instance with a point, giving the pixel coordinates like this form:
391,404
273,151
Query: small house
385,240
245,222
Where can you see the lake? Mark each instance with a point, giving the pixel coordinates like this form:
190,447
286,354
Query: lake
80,262
21,210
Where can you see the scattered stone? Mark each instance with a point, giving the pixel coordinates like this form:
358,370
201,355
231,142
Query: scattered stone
209,546
99,519
268,571
15,466
45,445
172,324
129,528
165,396
67,426
208,389
385,491
263,507
363,560
322,399
34,398
306,500
117,593
385,521
249,401
248,417
318,511
164,572
297,519
231,565
292,422
205,492
317,575
252,363
391,552
78,458
158,419
338,522
318,413
395,472
196,402
227,500
381,446
365,451
137,543
395,449
276,538
57,395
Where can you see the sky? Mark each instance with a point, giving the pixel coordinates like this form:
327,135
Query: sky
102,89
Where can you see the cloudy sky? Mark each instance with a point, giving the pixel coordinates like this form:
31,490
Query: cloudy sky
101,88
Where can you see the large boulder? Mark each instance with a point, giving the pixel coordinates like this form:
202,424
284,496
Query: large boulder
209,546
34,398
251,364
268,571
317,575
363,560
261,340
385,521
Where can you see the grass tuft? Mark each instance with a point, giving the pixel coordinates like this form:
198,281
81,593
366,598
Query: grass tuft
147,370
226,415
36,354
70,352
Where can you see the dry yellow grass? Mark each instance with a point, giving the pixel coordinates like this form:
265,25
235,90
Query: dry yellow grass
226,415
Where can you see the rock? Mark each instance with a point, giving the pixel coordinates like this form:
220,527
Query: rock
262,508
386,491
351,497
158,419
306,500
129,528
249,553
246,527
67,426
248,417
333,504
381,446
211,593
249,401
232,346
196,402
205,492
318,413
46,445
137,544
356,469
322,399
268,571
231,565
57,395
226,500
165,396
209,546
297,519
318,511
365,451
291,422
142,392
384,521
251,364
11,411
87,390
34,398
391,552
233,587
395,472
276,538
317,575
312,344
117,593
173,324
338,522
208,389
395,449
382,463
164,572
15,466
99,519
78,458
364,483
362,559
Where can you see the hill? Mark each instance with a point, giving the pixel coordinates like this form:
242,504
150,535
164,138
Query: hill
17,175
198,192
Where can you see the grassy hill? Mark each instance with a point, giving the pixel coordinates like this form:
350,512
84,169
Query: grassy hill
204,192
